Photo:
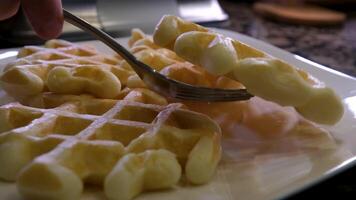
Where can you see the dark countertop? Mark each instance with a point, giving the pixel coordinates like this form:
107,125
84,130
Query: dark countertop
333,46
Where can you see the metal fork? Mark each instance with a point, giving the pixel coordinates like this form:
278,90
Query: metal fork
153,79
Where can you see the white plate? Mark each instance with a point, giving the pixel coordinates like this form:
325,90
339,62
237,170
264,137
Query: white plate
269,176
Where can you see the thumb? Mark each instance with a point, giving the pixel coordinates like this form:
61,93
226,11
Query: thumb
45,17
8,8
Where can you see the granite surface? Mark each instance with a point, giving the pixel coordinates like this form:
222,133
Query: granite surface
332,46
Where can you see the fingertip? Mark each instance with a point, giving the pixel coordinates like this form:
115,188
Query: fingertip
45,17
8,8
49,30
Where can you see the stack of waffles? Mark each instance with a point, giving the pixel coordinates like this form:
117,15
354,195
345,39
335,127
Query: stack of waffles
85,117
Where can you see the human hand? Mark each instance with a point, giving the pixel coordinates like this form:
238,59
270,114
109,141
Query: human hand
45,16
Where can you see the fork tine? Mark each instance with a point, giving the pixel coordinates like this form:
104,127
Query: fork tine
184,91
211,99
242,95
218,97
212,91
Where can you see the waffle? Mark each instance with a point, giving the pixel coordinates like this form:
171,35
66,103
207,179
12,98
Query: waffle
80,68
125,145
261,74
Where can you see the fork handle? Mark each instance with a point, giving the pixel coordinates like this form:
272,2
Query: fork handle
105,38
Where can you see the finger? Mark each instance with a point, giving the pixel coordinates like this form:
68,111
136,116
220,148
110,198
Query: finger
45,17
8,8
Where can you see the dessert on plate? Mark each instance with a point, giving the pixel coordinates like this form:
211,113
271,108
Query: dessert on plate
83,117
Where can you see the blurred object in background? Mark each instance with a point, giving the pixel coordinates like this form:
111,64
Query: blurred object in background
116,17
120,16
299,12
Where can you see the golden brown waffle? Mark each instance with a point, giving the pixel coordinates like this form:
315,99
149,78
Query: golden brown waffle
263,75
80,69
124,145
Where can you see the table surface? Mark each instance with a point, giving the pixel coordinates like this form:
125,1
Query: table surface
333,46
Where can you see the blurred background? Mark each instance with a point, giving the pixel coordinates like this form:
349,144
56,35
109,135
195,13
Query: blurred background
323,31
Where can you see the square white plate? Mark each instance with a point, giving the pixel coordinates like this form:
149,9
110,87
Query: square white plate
269,176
